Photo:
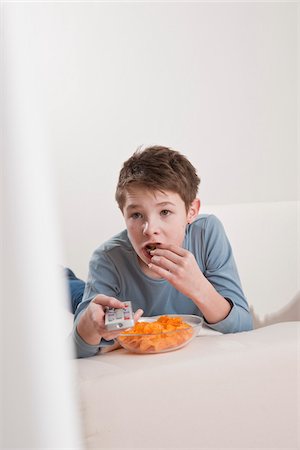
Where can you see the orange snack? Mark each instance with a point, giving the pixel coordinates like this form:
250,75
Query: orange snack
165,333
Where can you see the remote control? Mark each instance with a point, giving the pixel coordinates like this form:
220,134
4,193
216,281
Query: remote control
119,318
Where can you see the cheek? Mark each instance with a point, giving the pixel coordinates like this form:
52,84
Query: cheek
178,235
132,231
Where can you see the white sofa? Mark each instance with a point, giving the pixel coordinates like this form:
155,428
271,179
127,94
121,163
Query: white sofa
220,391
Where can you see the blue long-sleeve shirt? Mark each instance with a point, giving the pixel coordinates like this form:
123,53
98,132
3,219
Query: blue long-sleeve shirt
114,271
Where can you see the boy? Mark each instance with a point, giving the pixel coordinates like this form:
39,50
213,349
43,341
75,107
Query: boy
169,260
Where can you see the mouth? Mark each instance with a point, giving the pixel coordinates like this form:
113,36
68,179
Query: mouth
150,247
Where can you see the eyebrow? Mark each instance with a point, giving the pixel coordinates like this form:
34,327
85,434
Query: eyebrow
161,204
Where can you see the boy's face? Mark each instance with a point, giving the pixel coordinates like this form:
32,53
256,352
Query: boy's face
154,217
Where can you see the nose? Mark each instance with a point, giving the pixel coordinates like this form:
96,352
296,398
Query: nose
150,228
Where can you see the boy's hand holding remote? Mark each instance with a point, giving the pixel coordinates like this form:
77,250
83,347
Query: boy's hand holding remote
92,328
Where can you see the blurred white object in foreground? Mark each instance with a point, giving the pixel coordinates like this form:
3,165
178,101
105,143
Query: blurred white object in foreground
39,409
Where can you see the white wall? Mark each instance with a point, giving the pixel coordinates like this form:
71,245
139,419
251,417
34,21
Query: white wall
36,373
298,142
217,81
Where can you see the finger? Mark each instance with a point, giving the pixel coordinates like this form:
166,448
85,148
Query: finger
170,247
169,255
164,263
104,300
138,314
163,273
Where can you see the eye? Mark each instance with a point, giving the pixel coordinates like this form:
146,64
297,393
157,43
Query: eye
165,212
136,215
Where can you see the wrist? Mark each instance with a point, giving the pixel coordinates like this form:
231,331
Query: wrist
202,293
213,305
86,330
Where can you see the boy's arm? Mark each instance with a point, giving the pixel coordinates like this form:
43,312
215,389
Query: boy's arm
213,305
91,323
221,313
89,333
221,272
217,291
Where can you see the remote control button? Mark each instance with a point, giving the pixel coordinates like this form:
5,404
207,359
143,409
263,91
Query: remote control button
119,314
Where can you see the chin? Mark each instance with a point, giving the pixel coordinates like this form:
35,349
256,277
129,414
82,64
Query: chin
143,261
143,265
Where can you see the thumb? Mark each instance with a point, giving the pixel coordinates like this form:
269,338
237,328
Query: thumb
105,300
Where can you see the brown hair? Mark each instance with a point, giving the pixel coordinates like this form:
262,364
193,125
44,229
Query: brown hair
158,168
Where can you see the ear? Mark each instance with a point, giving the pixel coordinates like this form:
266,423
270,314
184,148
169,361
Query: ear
193,210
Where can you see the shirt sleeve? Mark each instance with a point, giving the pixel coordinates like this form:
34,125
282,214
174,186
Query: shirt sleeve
221,271
102,278
106,284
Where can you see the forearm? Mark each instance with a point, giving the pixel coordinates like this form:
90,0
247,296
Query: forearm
222,314
213,305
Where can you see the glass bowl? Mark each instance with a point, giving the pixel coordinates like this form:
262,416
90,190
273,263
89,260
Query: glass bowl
159,334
